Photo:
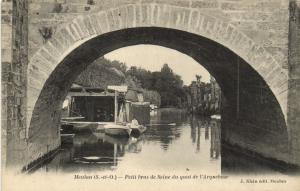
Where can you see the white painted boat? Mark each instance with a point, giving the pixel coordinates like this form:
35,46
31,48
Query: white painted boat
215,116
71,118
157,124
116,140
78,126
119,127
117,130
153,107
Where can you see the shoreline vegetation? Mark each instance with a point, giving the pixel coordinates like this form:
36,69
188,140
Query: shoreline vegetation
163,88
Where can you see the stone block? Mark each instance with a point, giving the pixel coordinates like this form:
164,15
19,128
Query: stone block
51,49
54,43
48,55
65,40
130,16
179,18
266,67
112,21
6,55
179,3
78,32
121,14
89,26
95,24
103,21
145,14
205,4
163,16
71,28
231,6
81,27
194,20
6,30
6,19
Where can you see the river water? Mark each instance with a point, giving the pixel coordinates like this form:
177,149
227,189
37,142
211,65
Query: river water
174,142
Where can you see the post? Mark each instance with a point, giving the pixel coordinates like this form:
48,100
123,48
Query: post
238,89
115,154
116,106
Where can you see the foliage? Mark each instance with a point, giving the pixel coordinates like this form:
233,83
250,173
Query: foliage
163,88
102,73
168,84
144,77
116,64
152,96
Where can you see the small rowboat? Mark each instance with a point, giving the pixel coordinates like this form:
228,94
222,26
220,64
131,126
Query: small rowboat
82,126
117,130
215,117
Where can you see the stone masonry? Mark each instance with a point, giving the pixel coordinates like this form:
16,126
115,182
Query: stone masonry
14,77
262,33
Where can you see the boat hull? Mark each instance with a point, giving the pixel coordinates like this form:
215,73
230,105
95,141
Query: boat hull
82,127
117,130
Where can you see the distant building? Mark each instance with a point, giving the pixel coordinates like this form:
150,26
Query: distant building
215,96
204,98
92,104
89,97
97,105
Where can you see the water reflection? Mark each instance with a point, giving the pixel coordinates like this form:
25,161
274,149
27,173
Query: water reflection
215,140
174,141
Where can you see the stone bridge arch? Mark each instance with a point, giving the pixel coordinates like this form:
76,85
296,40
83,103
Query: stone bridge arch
84,28
46,62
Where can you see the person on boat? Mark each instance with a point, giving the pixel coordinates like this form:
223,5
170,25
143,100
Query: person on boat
134,122
134,125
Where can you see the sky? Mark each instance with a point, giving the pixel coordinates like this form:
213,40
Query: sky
152,57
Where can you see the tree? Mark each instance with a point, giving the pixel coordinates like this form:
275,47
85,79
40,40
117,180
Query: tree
198,77
144,76
169,86
163,88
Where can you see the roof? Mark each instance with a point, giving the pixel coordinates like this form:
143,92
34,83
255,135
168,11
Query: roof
99,75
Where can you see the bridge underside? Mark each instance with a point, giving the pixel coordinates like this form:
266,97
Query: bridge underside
251,116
